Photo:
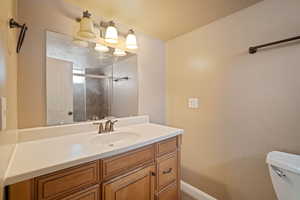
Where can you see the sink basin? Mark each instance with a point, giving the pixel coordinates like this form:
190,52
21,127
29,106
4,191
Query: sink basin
114,139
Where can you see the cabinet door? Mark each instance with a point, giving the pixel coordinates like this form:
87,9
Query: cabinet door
136,186
91,193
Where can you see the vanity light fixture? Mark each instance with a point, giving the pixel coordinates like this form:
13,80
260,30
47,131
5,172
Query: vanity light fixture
131,42
101,48
119,52
86,26
80,43
111,34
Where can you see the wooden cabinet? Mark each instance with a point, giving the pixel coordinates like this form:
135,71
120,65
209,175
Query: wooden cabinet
169,193
167,146
167,170
64,182
92,193
23,190
125,162
136,186
148,173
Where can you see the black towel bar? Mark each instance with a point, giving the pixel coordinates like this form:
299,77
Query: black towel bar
253,50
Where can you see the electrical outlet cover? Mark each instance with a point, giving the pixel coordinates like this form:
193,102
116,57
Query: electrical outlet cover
193,103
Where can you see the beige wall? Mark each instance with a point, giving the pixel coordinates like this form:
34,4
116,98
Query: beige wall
8,61
249,104
151,75
51,15
8,83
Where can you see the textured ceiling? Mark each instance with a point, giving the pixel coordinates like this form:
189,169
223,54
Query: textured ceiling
164,19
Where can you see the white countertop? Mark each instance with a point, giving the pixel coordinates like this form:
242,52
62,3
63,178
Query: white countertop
39,157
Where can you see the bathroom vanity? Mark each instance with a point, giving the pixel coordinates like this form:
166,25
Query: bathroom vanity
84,85
148,169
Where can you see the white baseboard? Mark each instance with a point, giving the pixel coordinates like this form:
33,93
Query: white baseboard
195,192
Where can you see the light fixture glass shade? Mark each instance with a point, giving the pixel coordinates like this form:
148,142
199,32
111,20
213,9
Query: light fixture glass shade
111,34
119,52
80,43
101,48
86,26
131,42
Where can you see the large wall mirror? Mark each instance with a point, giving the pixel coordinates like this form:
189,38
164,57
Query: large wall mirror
83,84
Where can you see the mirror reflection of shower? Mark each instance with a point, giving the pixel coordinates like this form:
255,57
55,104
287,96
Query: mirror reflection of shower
85,85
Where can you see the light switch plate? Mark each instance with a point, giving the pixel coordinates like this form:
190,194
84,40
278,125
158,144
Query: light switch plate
3,107
193,103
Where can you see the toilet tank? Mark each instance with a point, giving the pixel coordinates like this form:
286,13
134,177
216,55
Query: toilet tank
285,174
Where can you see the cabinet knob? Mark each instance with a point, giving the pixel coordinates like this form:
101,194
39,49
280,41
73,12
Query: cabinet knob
153,174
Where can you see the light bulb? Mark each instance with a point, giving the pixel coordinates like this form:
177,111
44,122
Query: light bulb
86,26
101,48
111,34
131,42
119,52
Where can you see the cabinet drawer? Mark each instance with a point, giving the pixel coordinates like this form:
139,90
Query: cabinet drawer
166,146
92,193
167,170
128,161
66,181
170,193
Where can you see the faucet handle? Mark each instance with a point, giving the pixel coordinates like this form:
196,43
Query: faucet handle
112,123
100,126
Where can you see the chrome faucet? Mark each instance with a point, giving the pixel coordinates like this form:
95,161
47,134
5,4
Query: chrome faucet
107,127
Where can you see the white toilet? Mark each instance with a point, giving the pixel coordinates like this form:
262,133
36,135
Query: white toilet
285,173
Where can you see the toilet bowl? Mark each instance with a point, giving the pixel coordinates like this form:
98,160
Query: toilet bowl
285,174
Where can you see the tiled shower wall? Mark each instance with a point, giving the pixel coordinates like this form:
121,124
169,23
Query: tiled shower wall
97,91
91,98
